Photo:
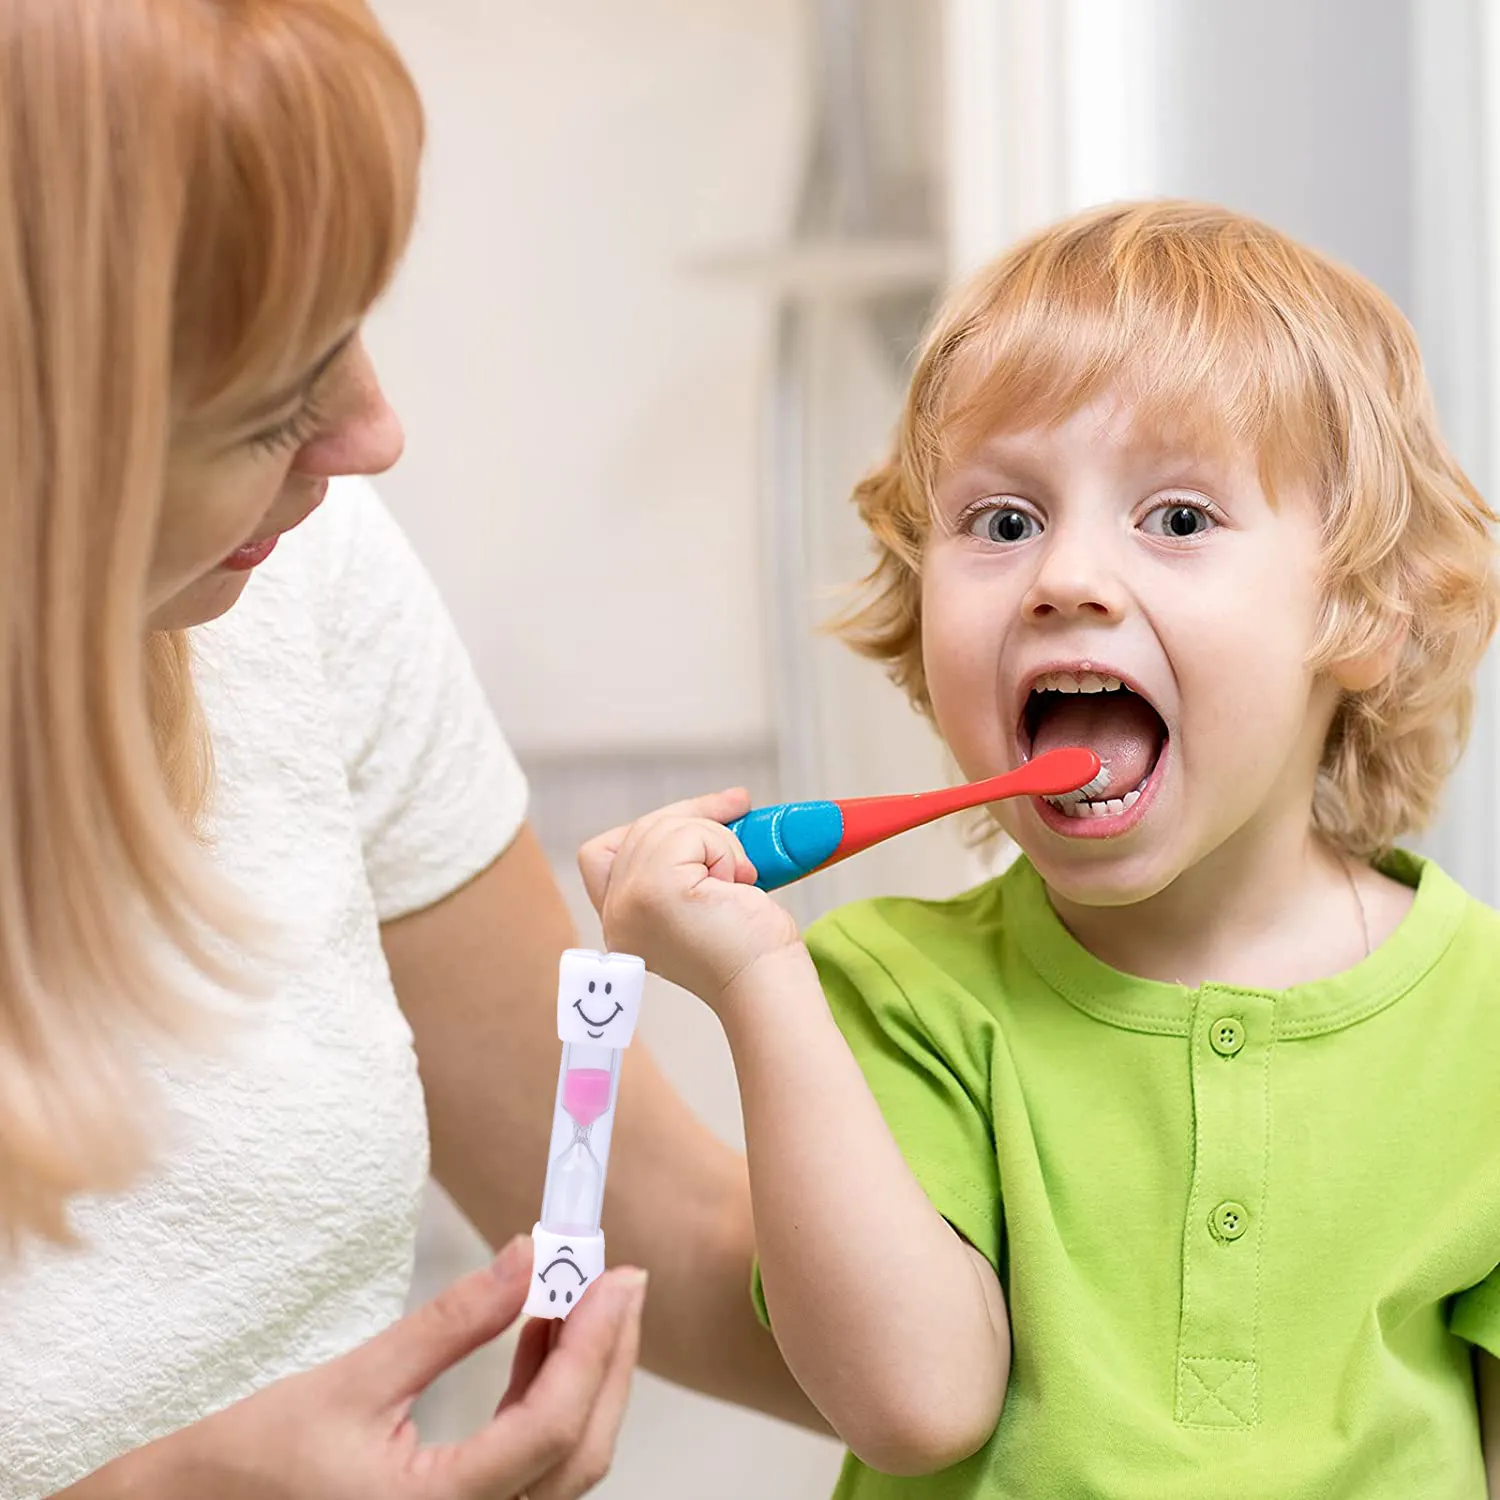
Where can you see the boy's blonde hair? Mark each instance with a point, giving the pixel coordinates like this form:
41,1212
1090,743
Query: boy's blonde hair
196,197
1217,328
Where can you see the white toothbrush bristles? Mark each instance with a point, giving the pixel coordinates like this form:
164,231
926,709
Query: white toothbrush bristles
1086,793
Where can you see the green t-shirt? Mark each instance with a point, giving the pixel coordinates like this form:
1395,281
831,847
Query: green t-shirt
1246,1238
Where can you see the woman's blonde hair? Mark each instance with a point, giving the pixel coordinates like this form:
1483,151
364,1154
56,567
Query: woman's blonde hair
1217,328
196,197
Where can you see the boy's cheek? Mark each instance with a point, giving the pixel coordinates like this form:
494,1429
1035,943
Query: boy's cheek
962,648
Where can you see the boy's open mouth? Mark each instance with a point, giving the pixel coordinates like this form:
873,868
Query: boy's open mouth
1099,712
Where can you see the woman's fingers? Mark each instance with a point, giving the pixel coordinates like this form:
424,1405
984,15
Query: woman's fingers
402,1362
590,1461
539,1432
532,1348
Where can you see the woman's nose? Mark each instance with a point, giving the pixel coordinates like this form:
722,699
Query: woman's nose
1075,578
361,433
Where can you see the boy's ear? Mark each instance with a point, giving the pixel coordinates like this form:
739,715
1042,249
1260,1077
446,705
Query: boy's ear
1358,674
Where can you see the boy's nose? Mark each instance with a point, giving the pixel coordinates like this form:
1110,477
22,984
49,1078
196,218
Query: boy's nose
1073,580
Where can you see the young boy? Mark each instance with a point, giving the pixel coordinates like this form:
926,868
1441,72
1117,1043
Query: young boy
1168,1163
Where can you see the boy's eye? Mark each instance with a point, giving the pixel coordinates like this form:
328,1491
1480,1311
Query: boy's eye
1004,524
1178,521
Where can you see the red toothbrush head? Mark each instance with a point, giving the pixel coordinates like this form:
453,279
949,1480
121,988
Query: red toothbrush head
1070,771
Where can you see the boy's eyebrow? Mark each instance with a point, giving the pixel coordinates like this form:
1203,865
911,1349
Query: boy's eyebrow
1010,458
997,452
301,386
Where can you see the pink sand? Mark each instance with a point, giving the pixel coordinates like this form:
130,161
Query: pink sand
586,1094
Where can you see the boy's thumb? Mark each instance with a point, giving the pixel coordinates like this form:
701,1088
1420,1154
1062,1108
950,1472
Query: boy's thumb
402,1362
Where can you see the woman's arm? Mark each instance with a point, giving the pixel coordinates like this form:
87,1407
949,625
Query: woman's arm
1487,1369
476,975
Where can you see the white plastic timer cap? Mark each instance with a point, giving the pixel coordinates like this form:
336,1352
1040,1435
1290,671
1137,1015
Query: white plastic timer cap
563,1266
599,997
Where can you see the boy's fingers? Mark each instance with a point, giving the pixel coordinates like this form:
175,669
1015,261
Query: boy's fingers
586,1467
699,842
539,1431
721,854
596,858
404,1360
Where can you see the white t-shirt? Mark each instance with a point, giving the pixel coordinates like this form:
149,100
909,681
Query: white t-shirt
360,776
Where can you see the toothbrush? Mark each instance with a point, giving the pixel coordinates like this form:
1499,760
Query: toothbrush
789,840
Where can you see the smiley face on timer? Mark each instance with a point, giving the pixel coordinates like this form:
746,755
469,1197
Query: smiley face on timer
599,997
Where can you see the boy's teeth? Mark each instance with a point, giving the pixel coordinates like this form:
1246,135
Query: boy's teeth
1111,808
1076,682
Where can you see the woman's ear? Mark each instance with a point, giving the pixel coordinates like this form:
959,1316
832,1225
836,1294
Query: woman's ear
1358,674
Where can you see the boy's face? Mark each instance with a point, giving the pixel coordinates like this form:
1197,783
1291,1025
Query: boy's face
1067,561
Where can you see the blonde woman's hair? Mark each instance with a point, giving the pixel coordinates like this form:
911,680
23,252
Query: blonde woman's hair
1222,331
196,197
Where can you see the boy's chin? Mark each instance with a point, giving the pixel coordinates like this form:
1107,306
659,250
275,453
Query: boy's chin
1094,874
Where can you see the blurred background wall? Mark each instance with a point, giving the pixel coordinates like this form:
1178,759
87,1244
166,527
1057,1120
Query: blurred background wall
673,257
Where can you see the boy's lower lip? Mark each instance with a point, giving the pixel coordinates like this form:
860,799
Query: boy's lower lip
1114,825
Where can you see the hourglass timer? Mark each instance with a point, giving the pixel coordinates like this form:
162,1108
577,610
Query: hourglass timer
598,1000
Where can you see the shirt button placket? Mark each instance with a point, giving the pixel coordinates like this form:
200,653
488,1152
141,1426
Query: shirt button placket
1218,1366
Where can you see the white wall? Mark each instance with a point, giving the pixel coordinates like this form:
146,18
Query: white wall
1300,113
580,406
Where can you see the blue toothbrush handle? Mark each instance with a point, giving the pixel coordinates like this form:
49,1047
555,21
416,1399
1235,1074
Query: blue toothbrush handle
789,840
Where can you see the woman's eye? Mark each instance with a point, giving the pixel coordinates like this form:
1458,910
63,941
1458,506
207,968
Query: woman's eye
292,433
1004,524
1179,521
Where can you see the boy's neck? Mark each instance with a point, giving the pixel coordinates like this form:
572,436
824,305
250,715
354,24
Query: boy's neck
1264,912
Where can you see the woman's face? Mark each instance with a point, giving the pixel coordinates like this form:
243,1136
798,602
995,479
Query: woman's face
231,495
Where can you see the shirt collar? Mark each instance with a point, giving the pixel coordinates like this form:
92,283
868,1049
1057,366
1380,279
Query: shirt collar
1304,1010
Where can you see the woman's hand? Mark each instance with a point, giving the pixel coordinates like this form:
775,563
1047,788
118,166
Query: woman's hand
676,889
343,1431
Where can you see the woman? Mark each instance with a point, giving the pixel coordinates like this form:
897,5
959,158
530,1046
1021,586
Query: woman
255,804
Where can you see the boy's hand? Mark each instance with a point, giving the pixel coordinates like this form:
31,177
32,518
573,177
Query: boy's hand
676,889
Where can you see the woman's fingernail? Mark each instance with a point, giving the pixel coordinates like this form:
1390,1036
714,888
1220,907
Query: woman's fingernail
633,1281
513,1257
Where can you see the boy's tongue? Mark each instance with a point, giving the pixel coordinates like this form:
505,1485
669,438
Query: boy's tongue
1122,729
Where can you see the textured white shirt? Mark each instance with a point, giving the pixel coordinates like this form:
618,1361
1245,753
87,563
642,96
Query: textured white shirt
360,776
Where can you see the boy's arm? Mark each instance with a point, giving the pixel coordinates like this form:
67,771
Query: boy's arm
892,1323
1488,1371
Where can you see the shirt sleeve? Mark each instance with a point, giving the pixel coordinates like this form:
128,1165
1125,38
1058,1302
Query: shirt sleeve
1475,1316
438,794
932,1097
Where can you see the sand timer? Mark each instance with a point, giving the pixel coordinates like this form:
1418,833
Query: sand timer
598,1000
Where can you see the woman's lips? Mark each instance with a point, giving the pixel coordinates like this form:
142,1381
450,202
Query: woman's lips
251,555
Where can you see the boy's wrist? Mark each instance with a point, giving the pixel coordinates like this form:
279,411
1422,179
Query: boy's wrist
760,992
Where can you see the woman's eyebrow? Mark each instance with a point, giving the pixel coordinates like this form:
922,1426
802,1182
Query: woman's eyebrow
299,388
